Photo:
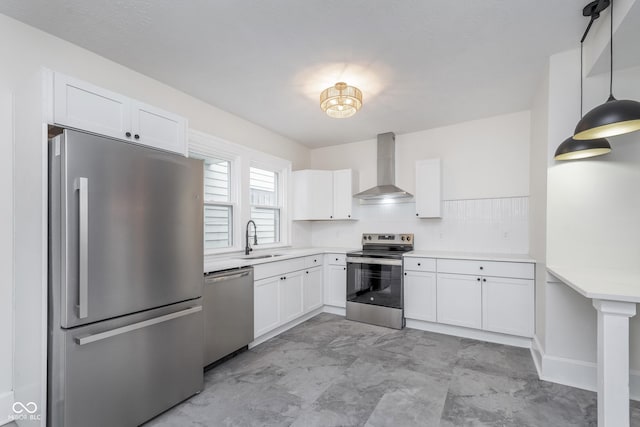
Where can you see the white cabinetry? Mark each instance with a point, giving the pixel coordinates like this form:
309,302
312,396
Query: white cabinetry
84,106
324,195
420,289
291,305
312,282
266,305
286,290
459,300
491,295
336,280
428,193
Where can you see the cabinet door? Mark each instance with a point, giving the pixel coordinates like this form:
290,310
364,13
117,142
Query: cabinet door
343,190
157,128
420,295
336,286
428,189
312,194
508,306
266,305
81,105
290,296
459,300
312,290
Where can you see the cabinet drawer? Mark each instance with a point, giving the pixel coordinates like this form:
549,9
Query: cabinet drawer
271,269
419,264
521,270
336,259
314,260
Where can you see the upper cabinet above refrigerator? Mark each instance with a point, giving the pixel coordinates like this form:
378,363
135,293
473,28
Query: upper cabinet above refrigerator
77,104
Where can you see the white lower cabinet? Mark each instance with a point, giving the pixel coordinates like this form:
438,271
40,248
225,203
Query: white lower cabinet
285,291
459,300
266,305
508,305
420,295
312,289
291,296
336,285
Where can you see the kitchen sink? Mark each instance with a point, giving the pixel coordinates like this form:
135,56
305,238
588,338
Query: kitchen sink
260,256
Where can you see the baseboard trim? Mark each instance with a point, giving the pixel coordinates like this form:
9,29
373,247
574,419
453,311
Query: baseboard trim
340,311
573,372
475,334
6,411
280,329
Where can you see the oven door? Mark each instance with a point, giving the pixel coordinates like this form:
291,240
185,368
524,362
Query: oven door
375,281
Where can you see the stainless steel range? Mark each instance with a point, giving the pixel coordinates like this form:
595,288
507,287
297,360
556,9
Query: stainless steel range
374,280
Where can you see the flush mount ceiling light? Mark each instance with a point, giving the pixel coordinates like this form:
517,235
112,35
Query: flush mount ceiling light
572,148
341,100
614,117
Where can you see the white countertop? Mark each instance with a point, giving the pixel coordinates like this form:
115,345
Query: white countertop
600,283
471,256
227,261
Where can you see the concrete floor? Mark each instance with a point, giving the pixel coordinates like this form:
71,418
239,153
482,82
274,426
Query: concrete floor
332,372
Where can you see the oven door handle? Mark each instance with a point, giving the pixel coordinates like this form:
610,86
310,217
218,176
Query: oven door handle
376,261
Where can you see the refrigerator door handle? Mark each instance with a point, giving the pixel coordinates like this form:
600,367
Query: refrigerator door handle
87,339
82,186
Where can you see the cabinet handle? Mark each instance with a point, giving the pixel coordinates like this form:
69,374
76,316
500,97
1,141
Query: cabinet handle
331,216
481,268
484,280
418,264
315,260
128,134
136,136
285,278
344,268
405,274
307,272
349,216
417,214
336,259
478,279
282,278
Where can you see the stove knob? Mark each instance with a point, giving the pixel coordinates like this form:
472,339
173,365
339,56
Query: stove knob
402,238
408,238
369,237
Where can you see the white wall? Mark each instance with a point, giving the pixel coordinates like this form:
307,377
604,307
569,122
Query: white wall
593,211
30,49
538,162
6,254
485,187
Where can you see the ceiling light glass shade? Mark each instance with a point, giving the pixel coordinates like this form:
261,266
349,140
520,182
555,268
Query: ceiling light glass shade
572,149
614,117
341,101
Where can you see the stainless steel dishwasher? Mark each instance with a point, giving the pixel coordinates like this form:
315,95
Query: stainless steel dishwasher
228,312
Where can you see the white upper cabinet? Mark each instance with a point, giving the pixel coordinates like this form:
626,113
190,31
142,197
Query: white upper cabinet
84,106
428,193
345,185
312,194
157,128
323,194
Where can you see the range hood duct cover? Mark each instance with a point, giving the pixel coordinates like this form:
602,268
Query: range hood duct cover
386,188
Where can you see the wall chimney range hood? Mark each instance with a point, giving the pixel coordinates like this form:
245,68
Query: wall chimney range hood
386,188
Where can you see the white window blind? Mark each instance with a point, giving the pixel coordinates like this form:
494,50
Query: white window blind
218,209
265,204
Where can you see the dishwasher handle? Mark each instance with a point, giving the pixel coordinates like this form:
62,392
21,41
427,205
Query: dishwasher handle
226,275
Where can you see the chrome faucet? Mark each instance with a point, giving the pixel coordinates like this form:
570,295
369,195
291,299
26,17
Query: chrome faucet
247,247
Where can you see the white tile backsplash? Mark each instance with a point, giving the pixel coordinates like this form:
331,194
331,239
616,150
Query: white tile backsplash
483,225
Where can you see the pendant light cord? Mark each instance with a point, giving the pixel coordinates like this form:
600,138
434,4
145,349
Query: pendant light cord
611,53
581,77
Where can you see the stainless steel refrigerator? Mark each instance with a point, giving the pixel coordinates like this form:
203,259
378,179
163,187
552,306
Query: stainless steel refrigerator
125,339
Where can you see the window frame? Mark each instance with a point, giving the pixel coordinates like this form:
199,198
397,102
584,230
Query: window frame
241,158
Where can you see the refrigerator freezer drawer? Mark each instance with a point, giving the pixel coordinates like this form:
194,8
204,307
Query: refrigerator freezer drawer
125,371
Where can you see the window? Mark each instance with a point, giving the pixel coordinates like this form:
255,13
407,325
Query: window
265,204
218,209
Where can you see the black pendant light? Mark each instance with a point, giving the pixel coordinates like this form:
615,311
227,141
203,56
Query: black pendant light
614,117
571,148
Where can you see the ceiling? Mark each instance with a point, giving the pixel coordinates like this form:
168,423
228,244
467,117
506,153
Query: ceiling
419,63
